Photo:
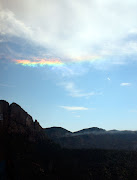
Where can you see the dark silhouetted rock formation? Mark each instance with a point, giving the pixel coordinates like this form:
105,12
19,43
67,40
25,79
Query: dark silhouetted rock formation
56,132
94,130
26,153
94,138
4,113
14,120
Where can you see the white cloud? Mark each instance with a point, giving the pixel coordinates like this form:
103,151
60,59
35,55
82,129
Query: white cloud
70,70
125,84
74,108
9,25
76,28
108,79
77,116
75,92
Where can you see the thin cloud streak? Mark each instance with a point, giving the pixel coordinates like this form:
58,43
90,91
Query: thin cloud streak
7,85
75,92
133,110
74,108
77,116
125,84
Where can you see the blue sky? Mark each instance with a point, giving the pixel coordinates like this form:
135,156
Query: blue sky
71,64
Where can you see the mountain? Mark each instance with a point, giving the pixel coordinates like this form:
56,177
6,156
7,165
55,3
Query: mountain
14,120
25,150
90,130
27,153
56,132
95,138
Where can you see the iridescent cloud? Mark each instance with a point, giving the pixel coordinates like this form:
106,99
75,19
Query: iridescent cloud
55,62
89,58
39,62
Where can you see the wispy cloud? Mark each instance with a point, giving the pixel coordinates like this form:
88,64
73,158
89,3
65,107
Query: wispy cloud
125,84
10,25
77,116
74,108
133,110
75,92
6,85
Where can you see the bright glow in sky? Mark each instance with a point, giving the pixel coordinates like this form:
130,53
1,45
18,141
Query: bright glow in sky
71,63
40,62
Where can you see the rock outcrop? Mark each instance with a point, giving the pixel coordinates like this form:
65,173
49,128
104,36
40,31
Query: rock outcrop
4,113
14,120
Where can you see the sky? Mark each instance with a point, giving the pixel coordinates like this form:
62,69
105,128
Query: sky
71,64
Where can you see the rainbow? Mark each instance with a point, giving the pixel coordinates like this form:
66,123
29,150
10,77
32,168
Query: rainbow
39,62
35,62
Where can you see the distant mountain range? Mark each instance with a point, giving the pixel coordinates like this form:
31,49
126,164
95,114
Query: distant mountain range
14,120
93,138
57,132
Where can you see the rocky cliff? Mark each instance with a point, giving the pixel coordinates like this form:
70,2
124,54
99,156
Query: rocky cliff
14,120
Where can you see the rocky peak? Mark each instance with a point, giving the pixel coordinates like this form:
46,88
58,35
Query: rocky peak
15,120
18,114
37,126
90,130
3,106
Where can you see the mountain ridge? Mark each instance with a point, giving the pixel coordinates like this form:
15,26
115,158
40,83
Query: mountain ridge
29,154
95,138
15,120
